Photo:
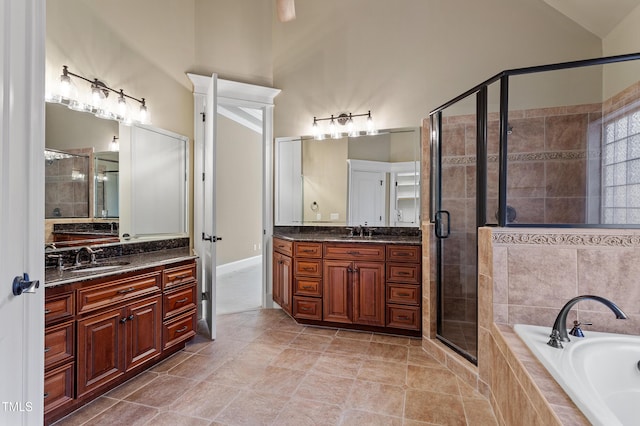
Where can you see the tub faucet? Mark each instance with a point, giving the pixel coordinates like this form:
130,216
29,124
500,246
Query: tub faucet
559,331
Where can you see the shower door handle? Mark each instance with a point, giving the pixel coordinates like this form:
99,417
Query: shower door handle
443,224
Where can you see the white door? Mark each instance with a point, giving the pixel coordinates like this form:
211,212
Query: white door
205,94
367,198
22,41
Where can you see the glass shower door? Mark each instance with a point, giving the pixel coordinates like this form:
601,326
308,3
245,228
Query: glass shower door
454,151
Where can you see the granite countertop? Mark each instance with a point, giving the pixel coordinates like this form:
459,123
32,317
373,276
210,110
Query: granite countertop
55,277
343,238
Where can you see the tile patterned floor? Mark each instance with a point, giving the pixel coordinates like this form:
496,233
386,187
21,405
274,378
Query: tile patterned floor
264,369
239,290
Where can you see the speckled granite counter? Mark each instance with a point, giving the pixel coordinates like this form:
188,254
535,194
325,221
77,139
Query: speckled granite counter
408,236
54,276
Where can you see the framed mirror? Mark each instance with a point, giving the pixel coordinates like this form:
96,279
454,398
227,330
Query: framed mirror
371,180
121,188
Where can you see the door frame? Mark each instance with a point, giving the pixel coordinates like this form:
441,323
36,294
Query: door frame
22,48
233,93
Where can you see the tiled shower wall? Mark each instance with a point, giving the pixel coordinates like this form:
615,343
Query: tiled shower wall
66,192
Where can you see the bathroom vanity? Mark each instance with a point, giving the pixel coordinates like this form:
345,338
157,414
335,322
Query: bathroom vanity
107,323
365,283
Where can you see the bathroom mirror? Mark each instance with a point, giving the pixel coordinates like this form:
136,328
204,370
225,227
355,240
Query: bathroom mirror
67,184
122,186
106,184
371,180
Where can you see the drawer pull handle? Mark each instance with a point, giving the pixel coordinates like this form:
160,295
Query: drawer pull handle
182,276
308,268
47,349
403,317
305,309
403,273
47,311
182,330
404,254
308,251
126,290
404,294
46,394
354,253
182,300
125,319
307,287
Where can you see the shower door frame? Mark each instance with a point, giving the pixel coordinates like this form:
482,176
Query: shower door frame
481,94
435,199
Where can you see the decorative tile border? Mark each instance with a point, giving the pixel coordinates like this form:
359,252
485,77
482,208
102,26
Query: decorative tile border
566,239
527,156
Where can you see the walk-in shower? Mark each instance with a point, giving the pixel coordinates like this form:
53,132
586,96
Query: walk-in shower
548,146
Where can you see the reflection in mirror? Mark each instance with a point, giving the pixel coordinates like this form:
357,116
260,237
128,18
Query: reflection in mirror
66,184
369,180
106,184
110,175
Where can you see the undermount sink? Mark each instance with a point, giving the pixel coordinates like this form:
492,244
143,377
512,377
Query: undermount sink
100,266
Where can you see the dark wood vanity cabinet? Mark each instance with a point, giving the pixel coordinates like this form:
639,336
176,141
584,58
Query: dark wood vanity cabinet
282,273
59,350
101,332
356,285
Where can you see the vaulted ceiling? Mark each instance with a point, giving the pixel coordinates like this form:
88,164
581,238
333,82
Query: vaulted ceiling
597,16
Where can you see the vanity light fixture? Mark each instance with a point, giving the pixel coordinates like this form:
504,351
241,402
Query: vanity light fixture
114,145
97,100
343,119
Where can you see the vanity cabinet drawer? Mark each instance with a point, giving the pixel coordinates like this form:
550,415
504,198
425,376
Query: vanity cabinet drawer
100,296
403,272
354,251
400,253
405,317
58,387
59,344
179,329
307,308
283,246
308,287
403,294
58,307
174,277
179,301
308,267
305,249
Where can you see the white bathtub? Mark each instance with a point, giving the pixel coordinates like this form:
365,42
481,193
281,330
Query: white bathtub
599,372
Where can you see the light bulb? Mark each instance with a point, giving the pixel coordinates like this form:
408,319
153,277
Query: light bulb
371,128
144,113
65,86
122,105
96,96
351,128
315,130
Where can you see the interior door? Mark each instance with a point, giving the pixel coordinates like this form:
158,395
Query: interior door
205,95
367,198
22,42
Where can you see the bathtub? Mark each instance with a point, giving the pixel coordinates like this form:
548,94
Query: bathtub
600,372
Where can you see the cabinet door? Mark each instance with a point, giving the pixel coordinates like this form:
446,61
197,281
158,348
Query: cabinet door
100,350
336,291
282,281
368,293
143,331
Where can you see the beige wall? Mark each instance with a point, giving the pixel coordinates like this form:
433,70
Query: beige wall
400,59
625,38
324,167
238,191
143,47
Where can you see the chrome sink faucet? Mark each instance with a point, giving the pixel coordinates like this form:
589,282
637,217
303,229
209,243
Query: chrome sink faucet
89,251
559,331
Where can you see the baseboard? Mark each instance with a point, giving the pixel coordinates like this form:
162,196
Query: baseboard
238,265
